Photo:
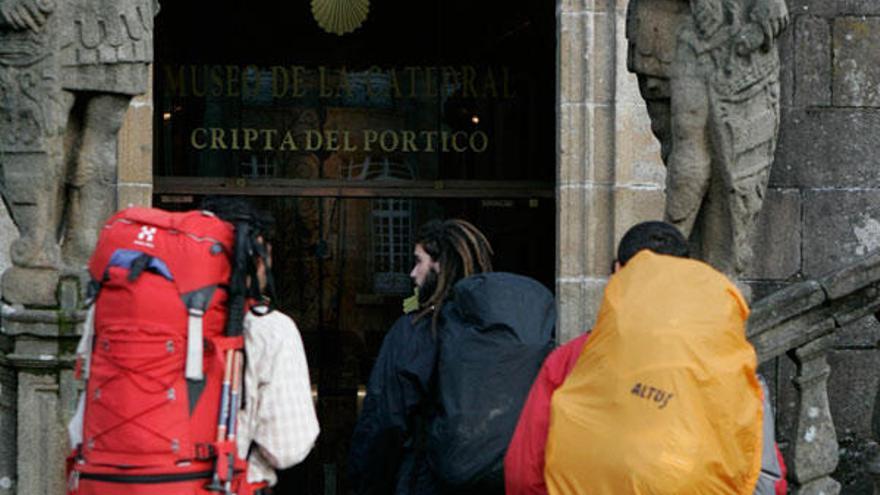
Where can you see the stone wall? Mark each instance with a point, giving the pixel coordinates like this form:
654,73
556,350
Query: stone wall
610,174
823,205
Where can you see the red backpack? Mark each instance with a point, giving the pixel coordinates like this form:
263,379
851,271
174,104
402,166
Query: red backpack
159,363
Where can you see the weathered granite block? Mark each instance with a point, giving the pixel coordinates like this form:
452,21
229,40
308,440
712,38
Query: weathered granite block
856,55
8,233
787,53
863,333
762,289
856,284
575,128
572,310
828,8
777,240
828,148
604,86
812,61
855,454
840,227
594,290
575,29
136,143
786,401
134,195
598,214
633,205
581,5
855,376
572,238
38,285
627,86
601,159
8,399
631,146
40,436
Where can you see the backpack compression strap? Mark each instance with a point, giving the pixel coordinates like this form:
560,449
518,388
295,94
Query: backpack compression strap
196,304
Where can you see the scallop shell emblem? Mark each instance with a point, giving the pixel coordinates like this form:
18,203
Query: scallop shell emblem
340,16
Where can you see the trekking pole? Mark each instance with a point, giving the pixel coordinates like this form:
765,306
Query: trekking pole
236,305
223,418
234,401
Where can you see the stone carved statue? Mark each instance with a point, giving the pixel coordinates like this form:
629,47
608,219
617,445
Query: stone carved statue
68,70
709,73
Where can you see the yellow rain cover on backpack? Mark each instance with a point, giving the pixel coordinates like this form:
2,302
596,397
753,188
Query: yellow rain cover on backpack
664,399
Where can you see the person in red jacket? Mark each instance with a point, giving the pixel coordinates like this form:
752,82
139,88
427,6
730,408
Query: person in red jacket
524,461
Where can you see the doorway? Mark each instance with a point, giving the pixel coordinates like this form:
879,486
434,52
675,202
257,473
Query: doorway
352,141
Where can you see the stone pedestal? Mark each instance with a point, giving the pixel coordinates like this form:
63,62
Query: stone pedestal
38,394
31,286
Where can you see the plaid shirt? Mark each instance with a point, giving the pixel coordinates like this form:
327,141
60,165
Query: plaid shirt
279,414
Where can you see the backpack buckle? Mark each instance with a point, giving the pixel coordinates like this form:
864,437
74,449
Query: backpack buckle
205,451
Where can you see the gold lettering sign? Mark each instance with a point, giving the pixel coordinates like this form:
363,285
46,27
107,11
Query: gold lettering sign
314,140
299,81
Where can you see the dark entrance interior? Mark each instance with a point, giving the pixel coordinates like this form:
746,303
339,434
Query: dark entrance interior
439,109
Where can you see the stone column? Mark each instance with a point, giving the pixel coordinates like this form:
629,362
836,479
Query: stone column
610,175
814,454
42,357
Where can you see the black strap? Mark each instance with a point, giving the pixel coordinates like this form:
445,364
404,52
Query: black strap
92,290
238,291
138,266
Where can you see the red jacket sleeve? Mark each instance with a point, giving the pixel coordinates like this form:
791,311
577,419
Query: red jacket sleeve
782,483
524,461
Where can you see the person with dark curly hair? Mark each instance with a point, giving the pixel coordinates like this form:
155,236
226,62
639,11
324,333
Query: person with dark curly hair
465,357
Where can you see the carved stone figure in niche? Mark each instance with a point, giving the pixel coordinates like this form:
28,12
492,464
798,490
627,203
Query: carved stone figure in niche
68,70
709,73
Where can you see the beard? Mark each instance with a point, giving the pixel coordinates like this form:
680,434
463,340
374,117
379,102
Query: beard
428,287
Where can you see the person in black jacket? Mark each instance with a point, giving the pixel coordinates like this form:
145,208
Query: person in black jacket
451,377
388,446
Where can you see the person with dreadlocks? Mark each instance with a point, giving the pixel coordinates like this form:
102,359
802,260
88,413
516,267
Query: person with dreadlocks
451,376
278,425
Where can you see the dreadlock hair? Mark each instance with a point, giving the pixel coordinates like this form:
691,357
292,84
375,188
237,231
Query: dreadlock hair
460,249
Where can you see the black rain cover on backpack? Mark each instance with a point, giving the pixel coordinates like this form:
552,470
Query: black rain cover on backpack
493,334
